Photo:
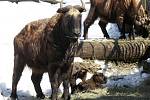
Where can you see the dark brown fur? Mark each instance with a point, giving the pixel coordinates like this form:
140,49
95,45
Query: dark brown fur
94,82
77,72
114,11
48,45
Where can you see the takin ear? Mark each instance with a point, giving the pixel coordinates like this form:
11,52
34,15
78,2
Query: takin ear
80,8
64,9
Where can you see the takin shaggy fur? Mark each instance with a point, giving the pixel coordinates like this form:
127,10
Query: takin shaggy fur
80,70
121,12
48,45
77,72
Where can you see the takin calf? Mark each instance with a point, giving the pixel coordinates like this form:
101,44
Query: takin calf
48,45
94,82
117,11
77,72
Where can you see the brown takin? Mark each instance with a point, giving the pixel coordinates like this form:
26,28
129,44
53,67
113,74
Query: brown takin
48,45
94,82
121,12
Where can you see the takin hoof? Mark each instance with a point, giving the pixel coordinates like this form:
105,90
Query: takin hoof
41,96
106,36
85,37
10,98
64,98
122,37
13,96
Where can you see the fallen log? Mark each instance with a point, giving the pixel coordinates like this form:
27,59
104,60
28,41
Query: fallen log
117,50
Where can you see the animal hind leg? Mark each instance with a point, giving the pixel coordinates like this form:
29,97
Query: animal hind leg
123,29
122,33
131,33
36,79
103,24
17,72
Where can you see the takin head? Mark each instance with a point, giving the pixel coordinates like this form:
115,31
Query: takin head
94,82
71,22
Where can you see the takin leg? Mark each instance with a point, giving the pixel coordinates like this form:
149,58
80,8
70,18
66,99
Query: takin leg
36,79
131,33
17,72
103,24
54,72
123,31
89,21
66,95
66,79
73,84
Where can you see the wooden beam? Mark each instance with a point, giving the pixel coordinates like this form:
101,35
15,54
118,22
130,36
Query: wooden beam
119,50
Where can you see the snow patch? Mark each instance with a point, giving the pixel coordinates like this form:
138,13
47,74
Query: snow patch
78,59
14,17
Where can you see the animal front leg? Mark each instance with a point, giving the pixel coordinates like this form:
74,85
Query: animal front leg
66,94
36,79
73,84
54,73
67,71
89,21
54,86
17,72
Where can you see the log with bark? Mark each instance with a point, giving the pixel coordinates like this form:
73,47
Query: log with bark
116,50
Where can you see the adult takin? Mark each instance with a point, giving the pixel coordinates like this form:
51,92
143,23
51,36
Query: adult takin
48,45
122,12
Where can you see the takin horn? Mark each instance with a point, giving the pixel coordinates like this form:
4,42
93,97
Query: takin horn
83,5
61,3
80,8
64,9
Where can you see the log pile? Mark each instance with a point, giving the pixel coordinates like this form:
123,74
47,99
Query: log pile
116,50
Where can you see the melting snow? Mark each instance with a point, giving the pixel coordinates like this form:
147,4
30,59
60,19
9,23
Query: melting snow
14,17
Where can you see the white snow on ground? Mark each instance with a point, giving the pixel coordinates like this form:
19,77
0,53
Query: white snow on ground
13,17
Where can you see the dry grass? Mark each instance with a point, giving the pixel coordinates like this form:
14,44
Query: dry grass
139,93
142,92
